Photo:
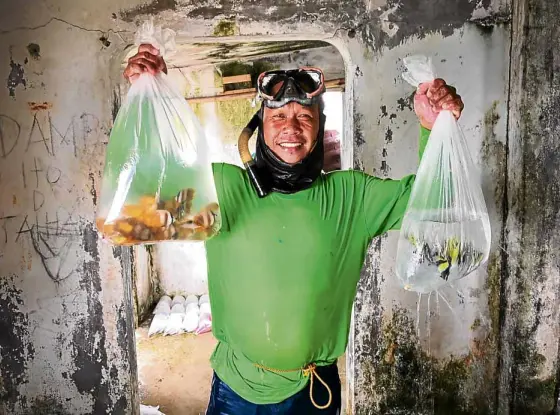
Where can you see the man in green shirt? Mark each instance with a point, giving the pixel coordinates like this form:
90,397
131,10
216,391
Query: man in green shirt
283,271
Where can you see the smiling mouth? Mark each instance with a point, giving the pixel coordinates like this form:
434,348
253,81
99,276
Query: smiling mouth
290,145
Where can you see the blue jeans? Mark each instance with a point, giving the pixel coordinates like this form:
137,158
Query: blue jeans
224,401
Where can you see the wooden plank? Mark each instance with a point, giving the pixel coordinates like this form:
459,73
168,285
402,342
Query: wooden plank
236,79
221,97
333,83
239,91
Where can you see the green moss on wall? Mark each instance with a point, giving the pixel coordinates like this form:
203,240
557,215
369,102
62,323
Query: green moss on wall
198,110
226,28
532,395
401,378
476,324
493,290
536,397
236,114
409,381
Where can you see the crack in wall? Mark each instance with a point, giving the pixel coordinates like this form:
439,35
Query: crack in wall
57,19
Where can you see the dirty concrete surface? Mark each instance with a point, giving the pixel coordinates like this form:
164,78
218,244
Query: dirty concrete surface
66,309
174,372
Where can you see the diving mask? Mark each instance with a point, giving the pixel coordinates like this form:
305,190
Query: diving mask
303,85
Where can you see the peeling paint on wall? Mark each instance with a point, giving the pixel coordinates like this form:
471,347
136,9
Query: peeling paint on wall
386,25
15,344
403,19
64,352
88,338
153,7
530,319
455,370
15,78
46,406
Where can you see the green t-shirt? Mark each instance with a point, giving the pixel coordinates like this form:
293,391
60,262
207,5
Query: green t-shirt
283,273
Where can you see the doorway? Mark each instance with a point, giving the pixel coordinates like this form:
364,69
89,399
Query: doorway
218,80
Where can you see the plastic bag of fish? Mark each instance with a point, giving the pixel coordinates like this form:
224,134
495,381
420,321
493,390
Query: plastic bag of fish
158,180
445,233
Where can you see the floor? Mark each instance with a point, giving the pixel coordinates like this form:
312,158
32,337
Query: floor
174,372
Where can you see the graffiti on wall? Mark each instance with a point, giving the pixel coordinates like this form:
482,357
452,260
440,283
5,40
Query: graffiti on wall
49,220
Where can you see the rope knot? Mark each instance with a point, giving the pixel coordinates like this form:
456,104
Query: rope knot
310,372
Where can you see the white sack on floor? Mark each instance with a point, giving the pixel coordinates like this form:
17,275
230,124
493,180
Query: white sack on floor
205,319
165,299
158,325
204,299
174,324
205,309
191,299
162,308
190,322
178,299
192,306
178,309
150,410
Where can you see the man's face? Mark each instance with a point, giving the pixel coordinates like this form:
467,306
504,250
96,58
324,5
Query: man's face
291,131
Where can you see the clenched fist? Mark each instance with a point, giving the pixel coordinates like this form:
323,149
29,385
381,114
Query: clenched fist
148,60
432,98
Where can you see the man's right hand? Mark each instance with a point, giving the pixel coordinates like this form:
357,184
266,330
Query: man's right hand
148,60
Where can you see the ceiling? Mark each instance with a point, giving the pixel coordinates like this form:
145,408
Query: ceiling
201,54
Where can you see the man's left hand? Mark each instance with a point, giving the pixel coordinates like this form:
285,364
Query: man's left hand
432,98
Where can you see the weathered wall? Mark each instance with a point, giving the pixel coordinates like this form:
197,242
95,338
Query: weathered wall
404,360
494,349
529,263
65,301
67,342
146,289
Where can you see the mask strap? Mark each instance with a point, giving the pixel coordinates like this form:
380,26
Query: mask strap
248,162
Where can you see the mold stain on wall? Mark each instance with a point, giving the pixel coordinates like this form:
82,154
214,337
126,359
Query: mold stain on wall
151,8
15,344
16,77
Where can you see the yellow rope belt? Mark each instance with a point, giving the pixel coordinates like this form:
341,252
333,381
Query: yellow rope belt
308,371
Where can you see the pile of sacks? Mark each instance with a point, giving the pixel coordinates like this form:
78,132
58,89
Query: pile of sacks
181,315
150,410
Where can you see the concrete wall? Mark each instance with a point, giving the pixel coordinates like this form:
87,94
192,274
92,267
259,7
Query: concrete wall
494,347
146,289
67,342
66,307
528,265
404,359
